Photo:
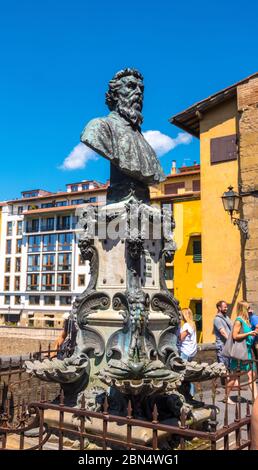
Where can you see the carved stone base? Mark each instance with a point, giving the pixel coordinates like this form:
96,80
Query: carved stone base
128,320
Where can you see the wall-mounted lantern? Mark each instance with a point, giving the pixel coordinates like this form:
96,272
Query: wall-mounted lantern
231,202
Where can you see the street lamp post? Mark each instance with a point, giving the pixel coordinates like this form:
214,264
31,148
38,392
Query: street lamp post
231,202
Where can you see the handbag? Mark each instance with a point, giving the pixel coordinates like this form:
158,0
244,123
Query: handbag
235,349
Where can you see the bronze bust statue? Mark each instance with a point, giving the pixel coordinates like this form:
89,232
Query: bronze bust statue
118,137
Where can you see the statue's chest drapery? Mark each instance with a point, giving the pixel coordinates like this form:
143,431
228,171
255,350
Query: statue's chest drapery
130,149
115,139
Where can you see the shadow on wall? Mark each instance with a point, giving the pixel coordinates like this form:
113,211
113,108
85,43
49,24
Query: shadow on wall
239,283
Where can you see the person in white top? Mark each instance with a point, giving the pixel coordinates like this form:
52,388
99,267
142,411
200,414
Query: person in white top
188,342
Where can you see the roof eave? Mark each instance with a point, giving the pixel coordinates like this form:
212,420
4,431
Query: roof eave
194,112
184,128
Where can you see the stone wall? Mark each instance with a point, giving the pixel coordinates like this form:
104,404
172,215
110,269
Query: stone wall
18,340
248,151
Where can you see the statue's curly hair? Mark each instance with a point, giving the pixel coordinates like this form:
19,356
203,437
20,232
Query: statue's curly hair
115,83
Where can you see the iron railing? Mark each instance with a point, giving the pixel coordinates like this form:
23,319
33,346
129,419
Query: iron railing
26,404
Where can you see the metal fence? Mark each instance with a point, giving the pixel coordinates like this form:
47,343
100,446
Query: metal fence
29,419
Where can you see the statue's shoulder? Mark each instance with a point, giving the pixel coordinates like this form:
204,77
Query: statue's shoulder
98,136
95,125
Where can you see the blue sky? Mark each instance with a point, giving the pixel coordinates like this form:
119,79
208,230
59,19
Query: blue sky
57,57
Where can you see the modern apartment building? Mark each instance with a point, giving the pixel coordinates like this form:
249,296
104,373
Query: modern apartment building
41,269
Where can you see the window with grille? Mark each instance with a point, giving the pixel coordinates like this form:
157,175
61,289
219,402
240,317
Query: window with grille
196,185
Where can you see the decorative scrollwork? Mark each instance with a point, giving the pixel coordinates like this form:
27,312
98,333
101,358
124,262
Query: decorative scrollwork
91,340
168,305
89,253
120,303
92,302
116,345
167,344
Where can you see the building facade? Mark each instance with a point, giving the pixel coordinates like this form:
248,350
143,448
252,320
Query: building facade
180,194
42,270
227,125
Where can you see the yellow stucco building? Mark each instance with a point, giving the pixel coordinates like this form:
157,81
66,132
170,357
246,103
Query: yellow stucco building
227,125
181,193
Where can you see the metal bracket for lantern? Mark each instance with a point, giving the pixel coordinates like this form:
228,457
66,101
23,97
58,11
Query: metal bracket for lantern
231,202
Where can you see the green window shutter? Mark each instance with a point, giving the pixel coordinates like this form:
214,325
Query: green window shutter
197,251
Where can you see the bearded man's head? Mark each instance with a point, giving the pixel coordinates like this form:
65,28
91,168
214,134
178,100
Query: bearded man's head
125,95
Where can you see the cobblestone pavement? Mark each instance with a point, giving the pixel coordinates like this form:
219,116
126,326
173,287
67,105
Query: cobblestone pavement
245,396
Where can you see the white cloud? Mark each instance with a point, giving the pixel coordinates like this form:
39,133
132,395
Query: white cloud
162,143
78,158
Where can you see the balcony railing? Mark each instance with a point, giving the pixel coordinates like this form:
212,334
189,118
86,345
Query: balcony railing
65,226
47,227
51,247
64,247
33,248
64,267
32,229
33,268
64,287
32,287
47,287
48,267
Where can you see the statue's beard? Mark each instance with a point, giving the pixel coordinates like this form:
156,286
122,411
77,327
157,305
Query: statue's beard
130,109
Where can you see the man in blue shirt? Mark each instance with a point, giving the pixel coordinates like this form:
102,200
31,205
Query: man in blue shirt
254,324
